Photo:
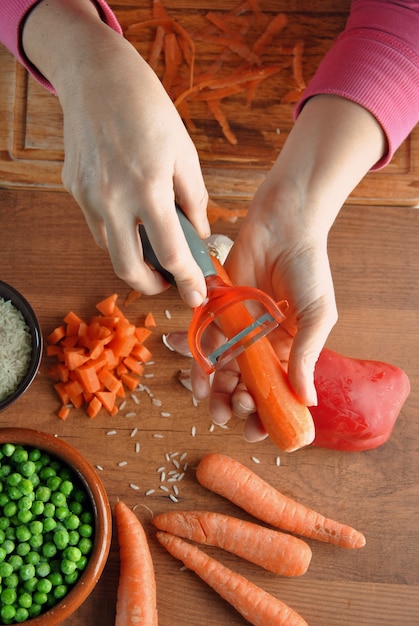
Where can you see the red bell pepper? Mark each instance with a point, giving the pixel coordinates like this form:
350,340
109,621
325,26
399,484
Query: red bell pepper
358,401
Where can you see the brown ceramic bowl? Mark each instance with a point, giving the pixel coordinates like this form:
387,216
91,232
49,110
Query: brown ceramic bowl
9,293
102,519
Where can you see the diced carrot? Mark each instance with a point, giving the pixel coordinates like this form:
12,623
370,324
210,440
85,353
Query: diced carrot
56,335
142,333
88,377
93,407
64,412
107,306
98,360
72,319
74,357
142,353
62,393
130,380
132,297
149,321
134,365
107,398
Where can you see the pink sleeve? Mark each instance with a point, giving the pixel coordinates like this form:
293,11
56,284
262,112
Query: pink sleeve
375,63
12,16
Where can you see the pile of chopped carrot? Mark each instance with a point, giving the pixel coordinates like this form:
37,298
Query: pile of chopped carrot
98,359
244,34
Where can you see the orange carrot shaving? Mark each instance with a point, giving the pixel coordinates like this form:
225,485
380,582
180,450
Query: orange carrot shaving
214,107
97,359
273,28
149,321
275,551
156,48
237,483
136,598
256,605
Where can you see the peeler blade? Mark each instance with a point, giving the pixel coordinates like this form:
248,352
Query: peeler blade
231,348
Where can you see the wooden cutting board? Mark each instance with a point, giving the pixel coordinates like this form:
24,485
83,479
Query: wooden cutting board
31,143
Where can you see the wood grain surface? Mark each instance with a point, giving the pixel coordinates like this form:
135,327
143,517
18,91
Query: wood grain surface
47,252
31,144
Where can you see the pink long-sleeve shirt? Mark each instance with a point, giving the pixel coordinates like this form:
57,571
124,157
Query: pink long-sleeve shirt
374,62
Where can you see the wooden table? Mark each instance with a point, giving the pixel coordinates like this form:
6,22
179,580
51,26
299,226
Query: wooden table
47,252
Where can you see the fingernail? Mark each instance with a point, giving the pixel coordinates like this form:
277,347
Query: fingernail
193,298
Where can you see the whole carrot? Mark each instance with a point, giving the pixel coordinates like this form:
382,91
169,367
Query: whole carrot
237,483
285,418
136,598
256,605
275,551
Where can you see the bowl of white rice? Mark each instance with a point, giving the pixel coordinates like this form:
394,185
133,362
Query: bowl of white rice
20,345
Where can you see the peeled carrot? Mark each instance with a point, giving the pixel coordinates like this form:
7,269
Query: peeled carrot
285,418
256,605
274,551
237,483
136,598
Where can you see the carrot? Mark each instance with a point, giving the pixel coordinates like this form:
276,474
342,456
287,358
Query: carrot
214,107
237,483
256,605
90,357
275,551
287,421
149,322
64,412
136,597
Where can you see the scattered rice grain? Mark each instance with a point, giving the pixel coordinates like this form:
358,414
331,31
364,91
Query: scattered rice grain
168,314
133,486
193,431
134,432
137,447
173,454
156,402
135,398
150,492
278,461
211,428
176,490
160,469
173,478
180,476
111,432
122,405
122,463
130,414
183,456
99,467
164,488
176,463
195,401
151,375
255,459
165,414
158,436
162,477
150,363
173,497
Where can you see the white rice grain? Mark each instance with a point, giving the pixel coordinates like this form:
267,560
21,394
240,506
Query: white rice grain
111,432
122,463
133,486
135,398
165,414
15,347
150,492
278,461
193,431
158,436
134,432
168,314
130,414
137,447
164,488
255,460
173,497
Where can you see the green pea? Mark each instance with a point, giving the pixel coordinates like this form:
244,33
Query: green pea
54,483
34,610
14,479
49,549
61,539
38,507
72,578
72,521
7,613
27,571
58,498
10,509
36,541
25,600
49,524
9,546
43,569
23,533
75,507
81,563
36,527
85,545
86,530
3,554
72,553
30,584
16,561
5,569
11,581
8,449
24,517
60,591
23,548
4,523
34,455
28,468
8,596
4,499
46,473
40,597
33,558
73,538
55,578
20,455
44,586
67,566
49,509
43,493
21,615
66,487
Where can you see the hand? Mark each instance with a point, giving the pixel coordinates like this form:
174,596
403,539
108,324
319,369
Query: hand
282,245
127,152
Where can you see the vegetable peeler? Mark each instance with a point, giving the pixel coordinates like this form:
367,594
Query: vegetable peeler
222,300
